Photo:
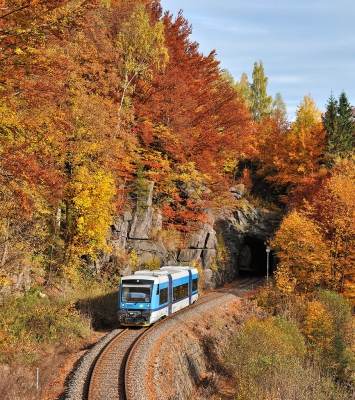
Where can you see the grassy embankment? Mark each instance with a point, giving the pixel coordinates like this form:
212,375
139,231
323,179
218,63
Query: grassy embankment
42,333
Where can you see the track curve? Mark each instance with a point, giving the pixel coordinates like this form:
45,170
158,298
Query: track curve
108,376
120,371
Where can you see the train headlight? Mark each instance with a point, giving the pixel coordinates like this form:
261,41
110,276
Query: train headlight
122,305
148,305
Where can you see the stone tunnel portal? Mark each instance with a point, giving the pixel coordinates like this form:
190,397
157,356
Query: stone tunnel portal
253,257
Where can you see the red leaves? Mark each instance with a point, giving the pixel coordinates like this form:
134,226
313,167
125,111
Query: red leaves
190,123
190,113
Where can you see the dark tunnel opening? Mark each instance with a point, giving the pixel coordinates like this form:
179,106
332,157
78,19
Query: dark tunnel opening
255,259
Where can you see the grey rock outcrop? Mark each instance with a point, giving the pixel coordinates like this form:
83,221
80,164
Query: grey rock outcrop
241,233
147,250
226,242
142,220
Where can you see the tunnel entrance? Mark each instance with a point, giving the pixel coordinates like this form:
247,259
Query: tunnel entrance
254,257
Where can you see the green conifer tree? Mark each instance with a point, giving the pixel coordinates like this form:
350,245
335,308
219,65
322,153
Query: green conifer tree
346,125
339,123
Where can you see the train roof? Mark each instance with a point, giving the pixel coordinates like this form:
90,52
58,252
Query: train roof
163,271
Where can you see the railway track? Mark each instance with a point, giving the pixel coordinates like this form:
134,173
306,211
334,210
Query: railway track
108,376
240,286
119,371
115,368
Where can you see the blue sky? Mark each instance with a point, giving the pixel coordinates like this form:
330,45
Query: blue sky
307,47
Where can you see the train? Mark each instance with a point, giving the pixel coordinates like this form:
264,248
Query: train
148,296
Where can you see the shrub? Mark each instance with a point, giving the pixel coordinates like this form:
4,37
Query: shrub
268,360
265,346
153,264
29,321
329,326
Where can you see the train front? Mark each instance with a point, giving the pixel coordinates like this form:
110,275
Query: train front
135,301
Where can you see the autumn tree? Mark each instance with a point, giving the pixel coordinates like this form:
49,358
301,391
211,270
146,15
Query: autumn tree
98,159
332,207
304,258
141,47
270,124
191,122
326,199
32,125
63,154
269,137
88,215
328,326
299,152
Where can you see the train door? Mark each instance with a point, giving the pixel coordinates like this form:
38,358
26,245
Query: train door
190,286
170,295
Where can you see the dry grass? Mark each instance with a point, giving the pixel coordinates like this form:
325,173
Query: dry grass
47,336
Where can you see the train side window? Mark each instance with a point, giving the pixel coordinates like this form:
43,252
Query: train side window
195,284
180,291
163,296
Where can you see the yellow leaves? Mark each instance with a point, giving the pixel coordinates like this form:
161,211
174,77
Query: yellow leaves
188,173
3,281
166,134
230,165
141,45
304,259
284,281
333,207
308,116
301,169
290,155
92,195
133,259
69,270
318,325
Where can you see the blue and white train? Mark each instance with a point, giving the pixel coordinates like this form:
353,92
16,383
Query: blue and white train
147,296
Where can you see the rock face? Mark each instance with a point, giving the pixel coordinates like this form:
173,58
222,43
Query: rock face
141,223
225,244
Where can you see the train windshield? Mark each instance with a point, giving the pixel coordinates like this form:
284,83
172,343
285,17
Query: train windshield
136,293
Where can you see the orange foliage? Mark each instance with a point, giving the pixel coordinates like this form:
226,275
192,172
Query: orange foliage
64,127
189,116
288,156
327,200
333,208
304,259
